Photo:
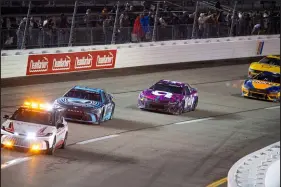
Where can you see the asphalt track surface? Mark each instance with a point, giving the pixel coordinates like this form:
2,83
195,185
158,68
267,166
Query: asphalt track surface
148,149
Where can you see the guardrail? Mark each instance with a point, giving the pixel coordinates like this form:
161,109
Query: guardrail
260,169
20,63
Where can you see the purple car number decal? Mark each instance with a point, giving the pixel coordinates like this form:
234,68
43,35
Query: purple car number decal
159,93
189,101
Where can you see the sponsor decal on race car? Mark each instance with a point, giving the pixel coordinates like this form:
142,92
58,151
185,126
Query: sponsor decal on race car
70,62
264,82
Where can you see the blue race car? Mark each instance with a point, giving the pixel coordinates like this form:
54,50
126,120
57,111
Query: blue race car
89,105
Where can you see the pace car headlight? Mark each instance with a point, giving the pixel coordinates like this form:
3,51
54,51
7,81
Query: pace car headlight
31,135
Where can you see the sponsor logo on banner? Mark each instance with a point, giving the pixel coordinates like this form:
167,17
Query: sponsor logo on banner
105,60
61,63
84,62
70,62
39,65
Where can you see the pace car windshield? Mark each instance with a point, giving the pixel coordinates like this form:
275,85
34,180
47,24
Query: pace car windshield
275,78
82,94
167,88
33,116
271,61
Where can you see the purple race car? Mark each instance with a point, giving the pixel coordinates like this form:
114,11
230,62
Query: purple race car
169,96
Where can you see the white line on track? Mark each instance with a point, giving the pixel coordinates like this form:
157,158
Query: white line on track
98,139
274,107
14,162
193,121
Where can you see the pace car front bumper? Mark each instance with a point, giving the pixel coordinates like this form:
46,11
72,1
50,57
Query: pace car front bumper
16,141
157,106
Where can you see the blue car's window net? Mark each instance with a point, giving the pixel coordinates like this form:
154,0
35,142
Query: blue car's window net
32,116
271,61
167,88
275,78
81,94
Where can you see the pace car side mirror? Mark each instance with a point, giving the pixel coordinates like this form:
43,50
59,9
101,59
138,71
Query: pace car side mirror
6,117
60,125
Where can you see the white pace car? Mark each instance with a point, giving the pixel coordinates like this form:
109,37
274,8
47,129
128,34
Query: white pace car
36,127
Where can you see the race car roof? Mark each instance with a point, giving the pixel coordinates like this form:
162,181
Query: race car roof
96,90
176,83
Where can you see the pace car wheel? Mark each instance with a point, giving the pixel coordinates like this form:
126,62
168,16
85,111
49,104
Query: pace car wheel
64,141
51,150
195,104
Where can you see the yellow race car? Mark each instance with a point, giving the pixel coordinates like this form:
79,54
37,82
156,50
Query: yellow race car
265,86
270,63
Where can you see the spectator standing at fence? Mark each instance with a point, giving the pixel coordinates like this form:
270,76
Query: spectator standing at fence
89,22
266,21
63,34
124,28
248,24
8,35
203,25
33,33
241,24
257,23
48,29
175,26
107,29
144,20
137,34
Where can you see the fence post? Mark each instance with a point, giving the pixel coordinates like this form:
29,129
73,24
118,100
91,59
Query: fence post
113,39
155,22
70,41
26,26
232,21
195,21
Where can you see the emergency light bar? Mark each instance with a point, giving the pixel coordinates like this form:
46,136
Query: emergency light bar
35,105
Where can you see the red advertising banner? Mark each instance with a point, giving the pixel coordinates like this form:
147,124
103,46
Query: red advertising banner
43,64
